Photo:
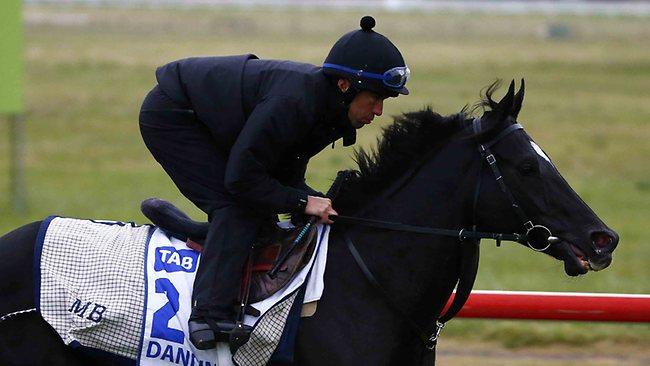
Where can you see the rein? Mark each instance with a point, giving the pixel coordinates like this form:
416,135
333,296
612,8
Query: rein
469,239
462,234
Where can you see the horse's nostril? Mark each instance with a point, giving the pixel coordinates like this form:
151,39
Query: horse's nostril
601,240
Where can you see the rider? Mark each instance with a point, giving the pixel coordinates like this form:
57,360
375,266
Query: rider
235,134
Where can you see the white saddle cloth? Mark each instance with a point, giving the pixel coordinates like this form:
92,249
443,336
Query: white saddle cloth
97,290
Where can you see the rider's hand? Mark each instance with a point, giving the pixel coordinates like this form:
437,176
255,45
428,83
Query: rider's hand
321,208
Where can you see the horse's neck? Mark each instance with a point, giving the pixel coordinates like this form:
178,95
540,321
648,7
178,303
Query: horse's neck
438,195
419,271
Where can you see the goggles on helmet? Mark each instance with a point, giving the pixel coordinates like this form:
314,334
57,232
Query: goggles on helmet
394,78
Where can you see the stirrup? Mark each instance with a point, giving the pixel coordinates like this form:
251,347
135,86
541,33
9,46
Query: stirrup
204,334
201,335
239,335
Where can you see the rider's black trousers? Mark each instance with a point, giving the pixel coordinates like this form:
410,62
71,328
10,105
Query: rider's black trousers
185,149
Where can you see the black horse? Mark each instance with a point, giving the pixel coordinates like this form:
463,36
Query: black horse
425,172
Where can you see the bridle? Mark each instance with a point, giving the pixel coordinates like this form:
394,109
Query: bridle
537,237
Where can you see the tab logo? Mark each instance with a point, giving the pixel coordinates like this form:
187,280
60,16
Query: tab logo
169,259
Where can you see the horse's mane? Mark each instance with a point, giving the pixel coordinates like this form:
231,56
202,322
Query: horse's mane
401,144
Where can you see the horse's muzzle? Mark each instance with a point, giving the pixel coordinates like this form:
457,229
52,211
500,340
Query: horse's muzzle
600,262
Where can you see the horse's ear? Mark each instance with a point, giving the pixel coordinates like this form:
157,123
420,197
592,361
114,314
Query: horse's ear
504,107
519,99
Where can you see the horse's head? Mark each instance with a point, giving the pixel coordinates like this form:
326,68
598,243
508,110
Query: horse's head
579,237
424,171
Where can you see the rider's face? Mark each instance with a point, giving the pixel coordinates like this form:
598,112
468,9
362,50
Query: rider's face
364,107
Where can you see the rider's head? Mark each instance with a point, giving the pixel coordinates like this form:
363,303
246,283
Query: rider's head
368,68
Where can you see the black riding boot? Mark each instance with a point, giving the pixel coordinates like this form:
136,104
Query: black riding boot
218,279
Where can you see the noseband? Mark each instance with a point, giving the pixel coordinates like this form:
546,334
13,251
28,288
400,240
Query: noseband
537,237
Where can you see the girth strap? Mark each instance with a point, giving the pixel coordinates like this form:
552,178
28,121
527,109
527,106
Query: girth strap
470,252
387,298
468,270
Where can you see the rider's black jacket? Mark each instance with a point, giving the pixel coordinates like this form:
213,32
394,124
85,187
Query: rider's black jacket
272,116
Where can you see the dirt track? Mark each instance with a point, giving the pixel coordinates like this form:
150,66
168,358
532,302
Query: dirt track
455,353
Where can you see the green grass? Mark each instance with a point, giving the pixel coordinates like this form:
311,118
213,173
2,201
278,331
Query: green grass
587,104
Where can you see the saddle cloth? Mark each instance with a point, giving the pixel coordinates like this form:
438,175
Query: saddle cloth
126,289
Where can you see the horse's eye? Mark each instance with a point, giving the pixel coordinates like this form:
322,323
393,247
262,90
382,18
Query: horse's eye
528,168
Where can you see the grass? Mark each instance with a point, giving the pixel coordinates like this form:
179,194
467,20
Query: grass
88,69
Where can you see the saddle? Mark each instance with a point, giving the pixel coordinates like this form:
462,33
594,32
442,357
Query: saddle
271,245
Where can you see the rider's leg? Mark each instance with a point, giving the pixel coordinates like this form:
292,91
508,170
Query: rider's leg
217,284
218,279
185,149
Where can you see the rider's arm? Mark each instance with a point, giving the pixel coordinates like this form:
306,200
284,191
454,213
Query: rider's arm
301,183
274,125
310,191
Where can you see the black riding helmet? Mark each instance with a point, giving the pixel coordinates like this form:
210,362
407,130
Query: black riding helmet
370,60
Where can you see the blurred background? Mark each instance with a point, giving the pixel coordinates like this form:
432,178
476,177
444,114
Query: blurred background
88,65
